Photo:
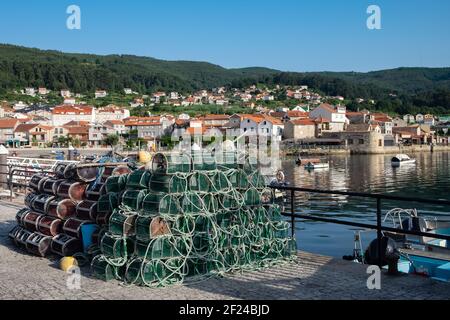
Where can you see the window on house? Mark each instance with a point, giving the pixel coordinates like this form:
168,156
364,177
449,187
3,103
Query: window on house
350,141
361,141
56,130
380,143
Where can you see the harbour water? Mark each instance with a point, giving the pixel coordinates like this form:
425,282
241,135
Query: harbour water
428,178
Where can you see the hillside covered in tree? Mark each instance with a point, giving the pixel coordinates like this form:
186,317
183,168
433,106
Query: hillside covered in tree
398,90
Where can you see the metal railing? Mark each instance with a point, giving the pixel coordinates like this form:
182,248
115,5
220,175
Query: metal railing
17,177
379,225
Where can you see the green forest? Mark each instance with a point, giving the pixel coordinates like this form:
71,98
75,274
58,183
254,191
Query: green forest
402,90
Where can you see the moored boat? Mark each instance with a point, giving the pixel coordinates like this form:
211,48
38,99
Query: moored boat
424,256
402,159
320,165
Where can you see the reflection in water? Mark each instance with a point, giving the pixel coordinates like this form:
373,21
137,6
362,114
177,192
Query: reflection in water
429,178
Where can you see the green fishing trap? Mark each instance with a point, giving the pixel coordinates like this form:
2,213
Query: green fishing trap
290,247
204,243
260,215
280,229
238,179
223,219
108,202
173,163
200,182
133,271
133,199
196,267
192,203
163,248
203,223
183,225
230,201
148,228
101,269
211,203
203,161
122,223
116,249
170,205
257,180
220,181
156,273
169,183
274,213
151,203
252,197
138,179
116,183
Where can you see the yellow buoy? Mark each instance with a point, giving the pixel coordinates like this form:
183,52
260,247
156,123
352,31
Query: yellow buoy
67,262
145,157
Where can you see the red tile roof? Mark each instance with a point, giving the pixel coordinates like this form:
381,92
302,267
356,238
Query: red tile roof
75,109
8,123
303,122
74,123
25,127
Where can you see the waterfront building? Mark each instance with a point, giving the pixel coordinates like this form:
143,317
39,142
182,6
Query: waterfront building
117,125
111,112
363,138
7,127
22,133
333,115
98,132
41,135
300,129
66,113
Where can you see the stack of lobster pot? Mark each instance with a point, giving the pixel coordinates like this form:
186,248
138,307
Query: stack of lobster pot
189,218
60,214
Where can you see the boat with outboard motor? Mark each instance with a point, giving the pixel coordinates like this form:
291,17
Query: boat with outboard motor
402,159
426,256
313,166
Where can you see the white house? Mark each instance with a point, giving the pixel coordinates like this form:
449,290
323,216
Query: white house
420,118
117,125
30,92
174,96
262,125
66,113
409,118
128,91
20,105
66,93
69,100
335,115
98,132
43,91
100,94
301,108
429,119
111,112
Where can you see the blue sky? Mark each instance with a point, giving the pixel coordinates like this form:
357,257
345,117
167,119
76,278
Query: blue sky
294,35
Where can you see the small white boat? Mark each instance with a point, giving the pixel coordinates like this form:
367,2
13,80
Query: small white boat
401,159
322,165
